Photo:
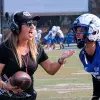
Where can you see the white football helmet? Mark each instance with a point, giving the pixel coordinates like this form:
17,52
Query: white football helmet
39,31
92,24
58,28
53,28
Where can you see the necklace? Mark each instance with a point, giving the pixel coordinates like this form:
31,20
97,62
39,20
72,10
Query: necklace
25,61
23,50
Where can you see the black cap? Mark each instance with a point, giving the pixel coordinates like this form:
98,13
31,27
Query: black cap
24,16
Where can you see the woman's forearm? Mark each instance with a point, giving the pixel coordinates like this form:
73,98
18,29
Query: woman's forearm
54,67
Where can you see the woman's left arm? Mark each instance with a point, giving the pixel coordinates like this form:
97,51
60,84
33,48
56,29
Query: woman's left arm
52,67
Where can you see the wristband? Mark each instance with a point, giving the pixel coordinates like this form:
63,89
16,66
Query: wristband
59,61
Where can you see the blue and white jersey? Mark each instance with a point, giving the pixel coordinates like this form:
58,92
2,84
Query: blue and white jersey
38,36
94,67
49,35
60,34
53,34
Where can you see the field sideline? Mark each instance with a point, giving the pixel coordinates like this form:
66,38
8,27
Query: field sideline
71,82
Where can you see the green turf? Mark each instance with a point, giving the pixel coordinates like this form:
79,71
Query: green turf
71,82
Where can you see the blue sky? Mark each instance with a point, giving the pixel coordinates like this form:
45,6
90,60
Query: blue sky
46,5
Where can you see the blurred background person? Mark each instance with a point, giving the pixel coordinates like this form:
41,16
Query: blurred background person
38,36
50,39
60,37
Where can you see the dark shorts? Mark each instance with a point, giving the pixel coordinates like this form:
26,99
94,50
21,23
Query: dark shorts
96,87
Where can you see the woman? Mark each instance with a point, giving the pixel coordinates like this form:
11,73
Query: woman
18,52
87,32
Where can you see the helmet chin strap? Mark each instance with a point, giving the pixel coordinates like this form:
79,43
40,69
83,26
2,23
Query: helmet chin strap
81,42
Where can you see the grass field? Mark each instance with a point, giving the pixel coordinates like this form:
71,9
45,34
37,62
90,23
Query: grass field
71,82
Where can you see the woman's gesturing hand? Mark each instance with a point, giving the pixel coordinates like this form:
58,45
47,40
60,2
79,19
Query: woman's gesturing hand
65,55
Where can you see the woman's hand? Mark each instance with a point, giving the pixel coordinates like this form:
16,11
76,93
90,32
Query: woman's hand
65,55
8,86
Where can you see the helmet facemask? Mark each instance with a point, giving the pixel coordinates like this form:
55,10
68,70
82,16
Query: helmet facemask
80,35
91,33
